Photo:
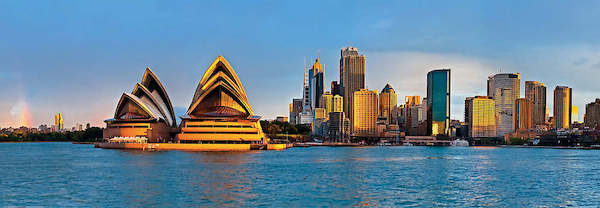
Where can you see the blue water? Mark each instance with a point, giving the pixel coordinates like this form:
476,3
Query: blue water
64,174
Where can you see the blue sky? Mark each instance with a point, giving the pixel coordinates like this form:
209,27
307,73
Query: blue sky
77,57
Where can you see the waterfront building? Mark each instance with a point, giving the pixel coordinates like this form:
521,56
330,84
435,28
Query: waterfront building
523,114
536,92
592,114
219,112
387,102
480,116
562,107
438,102
59,122
282,119
352,77
318,121
147,112
504,89
327,103
412,100
295,110
338,126
365,113
317,83
338,104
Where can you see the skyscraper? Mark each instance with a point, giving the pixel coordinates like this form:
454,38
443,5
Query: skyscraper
536,92
295,110
352,77
338,103
317,83
326,102
592,114
438,102
562,107
387,102
59,122
480,116
365,113
504,89
523,114
336,88
574,114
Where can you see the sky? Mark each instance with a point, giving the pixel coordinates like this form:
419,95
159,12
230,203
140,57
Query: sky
78,57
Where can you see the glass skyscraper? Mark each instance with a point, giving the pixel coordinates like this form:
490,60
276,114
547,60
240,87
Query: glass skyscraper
505,88
438,102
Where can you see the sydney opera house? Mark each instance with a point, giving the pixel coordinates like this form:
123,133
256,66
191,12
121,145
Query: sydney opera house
219,115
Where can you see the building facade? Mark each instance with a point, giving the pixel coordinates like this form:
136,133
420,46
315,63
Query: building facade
388,100
523,114
480,116
326,103
352,77
438,102
295,110
317,83
562,107
536,92
592,114
504,89
338,104
59,122
365,113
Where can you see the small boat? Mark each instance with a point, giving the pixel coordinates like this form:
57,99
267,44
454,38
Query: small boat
407,144
459,143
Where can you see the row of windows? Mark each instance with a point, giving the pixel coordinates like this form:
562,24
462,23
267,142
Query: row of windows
217,142
195,132
219,126
124,127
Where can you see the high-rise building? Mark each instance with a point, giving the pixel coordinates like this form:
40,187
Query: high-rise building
387,102
327,103
317,83
306,91
575,114
295,110
319,121
592,114
338,104
562,107
504,89
59,122
536,92
336,88
412,100
438,102
338,126
365,113
480,116
352,77
523,114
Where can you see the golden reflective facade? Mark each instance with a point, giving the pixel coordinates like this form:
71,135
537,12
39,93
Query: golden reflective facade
219,112
523,114
365,113
387,102
562,107
146,112
480,116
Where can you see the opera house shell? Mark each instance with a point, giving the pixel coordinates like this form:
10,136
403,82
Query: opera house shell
220,112
146,113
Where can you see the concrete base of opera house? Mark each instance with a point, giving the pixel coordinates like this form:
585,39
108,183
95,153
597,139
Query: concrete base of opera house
192,147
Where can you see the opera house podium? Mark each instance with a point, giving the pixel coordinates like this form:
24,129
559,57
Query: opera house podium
219,112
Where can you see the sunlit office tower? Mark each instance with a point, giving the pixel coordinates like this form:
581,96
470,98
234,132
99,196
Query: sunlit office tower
316,83
352,77
365,113
412,100
59,122
523,114
536,92
438,102
326,103
296,109
336,88
562,107
480,116
592,114
505,89
575,114
338,103
387,102
338,126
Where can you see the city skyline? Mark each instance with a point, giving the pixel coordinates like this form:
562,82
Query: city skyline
54,72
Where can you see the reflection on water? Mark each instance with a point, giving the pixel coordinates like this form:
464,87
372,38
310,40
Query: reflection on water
62,174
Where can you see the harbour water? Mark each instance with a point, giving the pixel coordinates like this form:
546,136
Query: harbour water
65,174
